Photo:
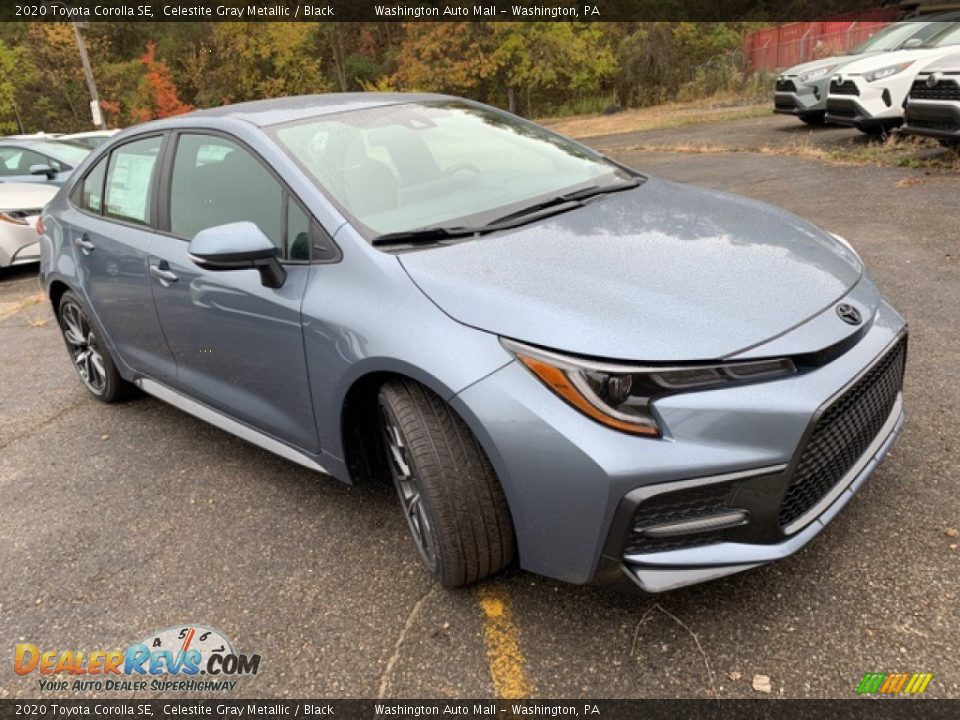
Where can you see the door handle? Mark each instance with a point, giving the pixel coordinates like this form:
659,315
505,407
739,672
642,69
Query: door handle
83,242
163,274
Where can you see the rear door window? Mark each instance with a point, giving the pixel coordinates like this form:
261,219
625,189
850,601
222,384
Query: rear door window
91,194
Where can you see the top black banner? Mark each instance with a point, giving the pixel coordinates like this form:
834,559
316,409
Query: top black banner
455,10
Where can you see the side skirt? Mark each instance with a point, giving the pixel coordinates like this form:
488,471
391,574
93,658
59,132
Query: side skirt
218,419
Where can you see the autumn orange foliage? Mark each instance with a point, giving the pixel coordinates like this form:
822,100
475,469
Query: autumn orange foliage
158,89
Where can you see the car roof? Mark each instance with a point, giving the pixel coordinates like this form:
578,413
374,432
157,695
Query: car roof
287,109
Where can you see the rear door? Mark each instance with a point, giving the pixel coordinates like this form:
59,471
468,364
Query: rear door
113,211
238,345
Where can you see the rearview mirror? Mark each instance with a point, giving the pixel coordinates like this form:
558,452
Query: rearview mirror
45,170
912,43
238,246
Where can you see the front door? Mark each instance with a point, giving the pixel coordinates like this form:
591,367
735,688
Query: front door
238,345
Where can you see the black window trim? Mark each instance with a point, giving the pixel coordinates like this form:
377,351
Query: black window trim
317,231
77,184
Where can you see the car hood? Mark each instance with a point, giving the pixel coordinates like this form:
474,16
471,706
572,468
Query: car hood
951,63
663,272
806,67
25,196
882,60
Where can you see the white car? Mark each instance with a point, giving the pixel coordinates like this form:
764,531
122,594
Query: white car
933,106
869,94
20,206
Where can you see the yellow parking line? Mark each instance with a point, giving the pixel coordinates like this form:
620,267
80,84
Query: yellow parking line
502,639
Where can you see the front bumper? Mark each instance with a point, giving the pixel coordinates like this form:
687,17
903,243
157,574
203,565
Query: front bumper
572,484
795,98
868,105
933,118
656,572
19,244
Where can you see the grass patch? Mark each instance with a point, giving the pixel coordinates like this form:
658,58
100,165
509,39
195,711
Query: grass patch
896,151
8,310
658,117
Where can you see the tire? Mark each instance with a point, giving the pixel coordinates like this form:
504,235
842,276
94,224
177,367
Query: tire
452,501
90,356
816,118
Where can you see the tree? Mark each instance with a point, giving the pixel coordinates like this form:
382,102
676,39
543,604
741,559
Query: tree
158,94
11,73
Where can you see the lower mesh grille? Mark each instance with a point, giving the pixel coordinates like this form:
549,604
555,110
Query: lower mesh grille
673,507
843,433
843,111
930,124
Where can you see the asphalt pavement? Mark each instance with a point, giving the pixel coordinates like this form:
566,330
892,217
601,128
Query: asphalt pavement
120,520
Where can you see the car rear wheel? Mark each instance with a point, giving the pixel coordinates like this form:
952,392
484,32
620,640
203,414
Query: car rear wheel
453,504
90,356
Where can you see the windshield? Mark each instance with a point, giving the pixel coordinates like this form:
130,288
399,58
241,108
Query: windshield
399,168
73,154
950,36
892,37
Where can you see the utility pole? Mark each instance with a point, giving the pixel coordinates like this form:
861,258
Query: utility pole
91,83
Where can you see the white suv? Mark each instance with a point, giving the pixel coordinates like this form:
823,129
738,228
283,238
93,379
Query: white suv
933,106
869,94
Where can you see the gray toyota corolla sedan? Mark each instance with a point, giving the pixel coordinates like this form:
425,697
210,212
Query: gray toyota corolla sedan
556,359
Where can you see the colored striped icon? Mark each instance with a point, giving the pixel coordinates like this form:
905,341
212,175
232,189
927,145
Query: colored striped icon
894,683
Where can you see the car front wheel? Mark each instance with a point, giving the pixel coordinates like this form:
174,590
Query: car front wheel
449,493
90,356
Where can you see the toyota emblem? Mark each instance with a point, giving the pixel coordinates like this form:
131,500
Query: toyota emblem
933,79
849,314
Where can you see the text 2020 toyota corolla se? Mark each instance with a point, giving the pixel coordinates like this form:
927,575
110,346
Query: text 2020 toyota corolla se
557,359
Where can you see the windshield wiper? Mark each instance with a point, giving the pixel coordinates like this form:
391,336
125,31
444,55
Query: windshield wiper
426,235
574,199
557,204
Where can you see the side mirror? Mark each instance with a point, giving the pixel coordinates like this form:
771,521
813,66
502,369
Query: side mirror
45,170
238,246
912,43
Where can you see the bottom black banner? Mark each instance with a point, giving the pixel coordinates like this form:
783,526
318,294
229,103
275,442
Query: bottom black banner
863,709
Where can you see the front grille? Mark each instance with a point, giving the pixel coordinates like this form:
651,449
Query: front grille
785,86
847,87
696,502
843,433
844,112
949,126
784,103
943,90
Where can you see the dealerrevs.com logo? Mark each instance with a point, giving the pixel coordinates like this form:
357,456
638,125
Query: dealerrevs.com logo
187,658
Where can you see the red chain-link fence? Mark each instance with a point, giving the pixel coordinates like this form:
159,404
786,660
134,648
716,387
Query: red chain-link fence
783,46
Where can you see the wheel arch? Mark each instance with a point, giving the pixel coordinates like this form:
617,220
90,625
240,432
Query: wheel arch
55,292
358,426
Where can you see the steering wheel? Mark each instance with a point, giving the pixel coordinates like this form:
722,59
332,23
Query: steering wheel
461,167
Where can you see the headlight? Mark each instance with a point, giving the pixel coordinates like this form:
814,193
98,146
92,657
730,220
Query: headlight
620,396
814,74
886,72
15,217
